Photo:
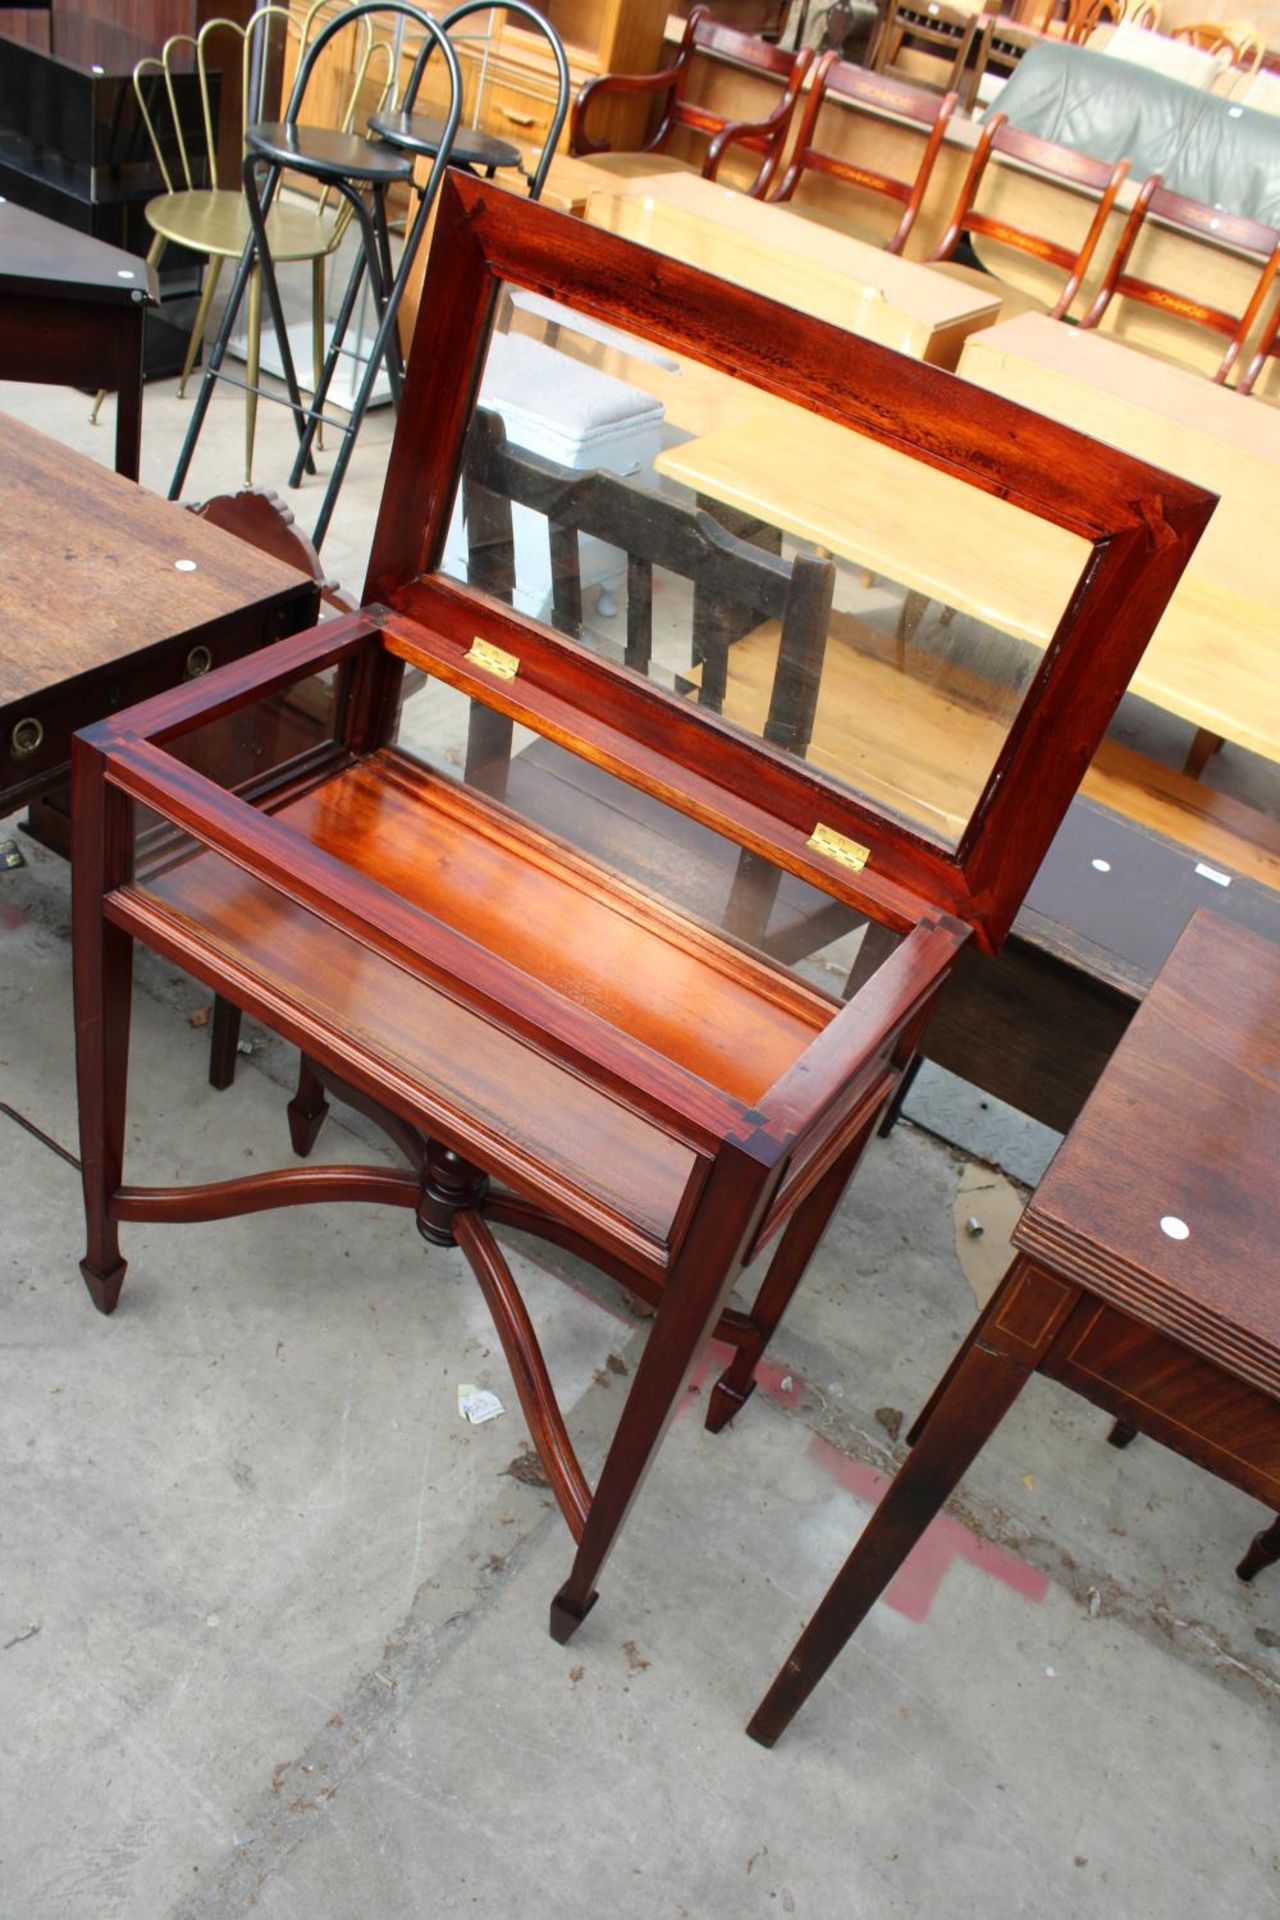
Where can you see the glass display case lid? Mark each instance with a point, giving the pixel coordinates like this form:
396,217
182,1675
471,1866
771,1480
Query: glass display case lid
863,618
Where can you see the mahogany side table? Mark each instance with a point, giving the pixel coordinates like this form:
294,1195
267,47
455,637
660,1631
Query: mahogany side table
1144,1277
108,595
72,312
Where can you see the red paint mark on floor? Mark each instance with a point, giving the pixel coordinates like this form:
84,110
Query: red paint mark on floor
11,917
913,1591
915,1588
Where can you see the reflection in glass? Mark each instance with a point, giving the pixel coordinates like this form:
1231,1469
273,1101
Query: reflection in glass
843,600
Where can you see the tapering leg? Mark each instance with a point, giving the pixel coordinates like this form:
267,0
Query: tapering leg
224,1043
980,1392
786,1270
252,359
307,1109
699,1283
317,339
129,330
1263,1551
212,275
103,980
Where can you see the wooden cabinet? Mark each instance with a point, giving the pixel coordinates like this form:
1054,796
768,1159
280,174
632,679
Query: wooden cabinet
509,79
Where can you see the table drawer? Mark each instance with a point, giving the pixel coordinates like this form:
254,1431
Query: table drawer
520,113
36,733
1197,1408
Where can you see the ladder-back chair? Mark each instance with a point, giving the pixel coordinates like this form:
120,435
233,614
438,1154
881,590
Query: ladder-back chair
872,93
1200,221
1080,171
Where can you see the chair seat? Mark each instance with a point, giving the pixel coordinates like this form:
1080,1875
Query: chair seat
327,154
215,220
422,133
1013,300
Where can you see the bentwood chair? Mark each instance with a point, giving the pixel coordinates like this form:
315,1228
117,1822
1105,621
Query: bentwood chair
1240,44
1072,170
361,172
1195,218
878,93
679,114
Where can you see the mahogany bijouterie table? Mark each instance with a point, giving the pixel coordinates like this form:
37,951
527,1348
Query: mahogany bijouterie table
555,1039
1144,1276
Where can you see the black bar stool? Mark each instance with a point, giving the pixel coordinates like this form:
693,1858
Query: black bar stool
419,133
361,170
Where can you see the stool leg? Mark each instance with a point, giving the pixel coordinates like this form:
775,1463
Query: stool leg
1263,1551
270,286
302,459
251,372
379,348
317,340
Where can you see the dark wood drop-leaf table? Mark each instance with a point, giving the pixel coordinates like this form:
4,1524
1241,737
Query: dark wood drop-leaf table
552,1042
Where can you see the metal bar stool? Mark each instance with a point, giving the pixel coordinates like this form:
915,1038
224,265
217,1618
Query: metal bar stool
361,171
481,153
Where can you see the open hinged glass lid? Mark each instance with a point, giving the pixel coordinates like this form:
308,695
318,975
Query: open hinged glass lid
867,621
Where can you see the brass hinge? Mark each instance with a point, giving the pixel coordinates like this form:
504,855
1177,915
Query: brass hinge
836,847
491,659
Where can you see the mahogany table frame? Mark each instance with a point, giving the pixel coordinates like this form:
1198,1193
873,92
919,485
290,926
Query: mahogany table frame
770,1170
1177,1338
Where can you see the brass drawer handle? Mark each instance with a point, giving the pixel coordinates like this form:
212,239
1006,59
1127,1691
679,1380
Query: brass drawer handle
199,661
518,119
26,739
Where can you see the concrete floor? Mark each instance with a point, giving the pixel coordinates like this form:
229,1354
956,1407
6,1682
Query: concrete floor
273,1617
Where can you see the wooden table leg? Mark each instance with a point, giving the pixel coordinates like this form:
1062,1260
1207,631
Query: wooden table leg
980,1386
700,1281
1263,1551
102,842
129,323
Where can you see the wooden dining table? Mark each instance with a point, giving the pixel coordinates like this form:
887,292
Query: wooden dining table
833,276
1212,660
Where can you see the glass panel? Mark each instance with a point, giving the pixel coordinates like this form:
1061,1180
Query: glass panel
845,601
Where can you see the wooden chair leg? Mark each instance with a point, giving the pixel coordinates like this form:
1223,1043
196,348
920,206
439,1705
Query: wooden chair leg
224,1043
1264,1551
979,1392
1122,1434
